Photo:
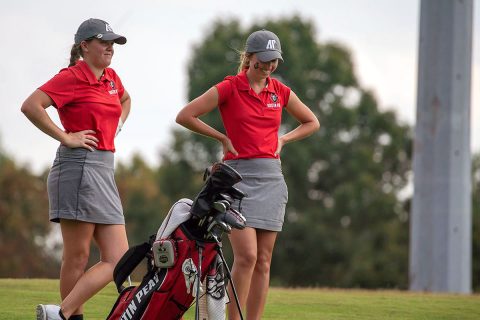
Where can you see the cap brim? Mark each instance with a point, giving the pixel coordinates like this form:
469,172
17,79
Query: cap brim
115,37
270,55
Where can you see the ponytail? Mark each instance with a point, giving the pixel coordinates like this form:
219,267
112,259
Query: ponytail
244,61
75,54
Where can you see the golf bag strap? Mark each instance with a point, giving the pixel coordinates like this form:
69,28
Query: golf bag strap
130,260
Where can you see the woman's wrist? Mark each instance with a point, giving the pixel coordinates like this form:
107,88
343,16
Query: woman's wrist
119,126
223,139
64,138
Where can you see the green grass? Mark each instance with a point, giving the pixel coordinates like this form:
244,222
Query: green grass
19,297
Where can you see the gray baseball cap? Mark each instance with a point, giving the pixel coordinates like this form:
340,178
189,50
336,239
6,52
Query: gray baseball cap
265,44
96,28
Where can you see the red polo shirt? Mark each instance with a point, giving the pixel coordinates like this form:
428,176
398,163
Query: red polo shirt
83,102
252,120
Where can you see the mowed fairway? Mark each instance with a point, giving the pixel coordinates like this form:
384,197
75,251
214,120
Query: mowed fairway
19,297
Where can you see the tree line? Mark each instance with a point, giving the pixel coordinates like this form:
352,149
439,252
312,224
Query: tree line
347,219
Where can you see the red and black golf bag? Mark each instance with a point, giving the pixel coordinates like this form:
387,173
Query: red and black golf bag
186,252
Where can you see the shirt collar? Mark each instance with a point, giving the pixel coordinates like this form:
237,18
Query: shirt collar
243,83
83,66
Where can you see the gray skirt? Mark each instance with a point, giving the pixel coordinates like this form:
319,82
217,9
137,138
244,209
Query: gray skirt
267,193
81,186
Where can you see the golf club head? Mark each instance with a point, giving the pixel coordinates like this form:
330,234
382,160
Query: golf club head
234,219
220,179
221,206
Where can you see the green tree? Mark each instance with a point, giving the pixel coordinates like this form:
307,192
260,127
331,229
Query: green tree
346,224
352,187
24,226
143,204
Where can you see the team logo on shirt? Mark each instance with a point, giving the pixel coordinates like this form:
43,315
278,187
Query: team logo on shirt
114,89
274,99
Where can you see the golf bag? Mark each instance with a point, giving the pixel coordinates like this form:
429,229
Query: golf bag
185,252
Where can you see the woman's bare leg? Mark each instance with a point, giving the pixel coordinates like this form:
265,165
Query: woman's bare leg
77,237
112,243
244,245
257,296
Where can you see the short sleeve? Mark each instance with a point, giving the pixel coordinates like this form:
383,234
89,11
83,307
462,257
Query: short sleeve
286,95
224,90
61,88
283,91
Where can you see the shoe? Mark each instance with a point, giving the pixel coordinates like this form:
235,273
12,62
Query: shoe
48,312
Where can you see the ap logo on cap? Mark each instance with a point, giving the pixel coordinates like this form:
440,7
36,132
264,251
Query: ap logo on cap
108,28
271,44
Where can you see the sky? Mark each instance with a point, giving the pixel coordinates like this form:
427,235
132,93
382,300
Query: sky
37,36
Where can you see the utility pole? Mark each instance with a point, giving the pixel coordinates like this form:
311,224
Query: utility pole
441,222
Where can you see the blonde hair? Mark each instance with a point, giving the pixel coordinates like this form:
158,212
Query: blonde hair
244,60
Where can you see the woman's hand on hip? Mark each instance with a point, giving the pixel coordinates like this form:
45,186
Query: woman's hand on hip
81,139
280,145
228,147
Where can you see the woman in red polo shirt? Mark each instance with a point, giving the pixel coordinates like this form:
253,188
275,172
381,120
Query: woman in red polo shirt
251,106
92,105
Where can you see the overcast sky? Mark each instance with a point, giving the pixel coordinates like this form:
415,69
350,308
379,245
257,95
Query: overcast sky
37,36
